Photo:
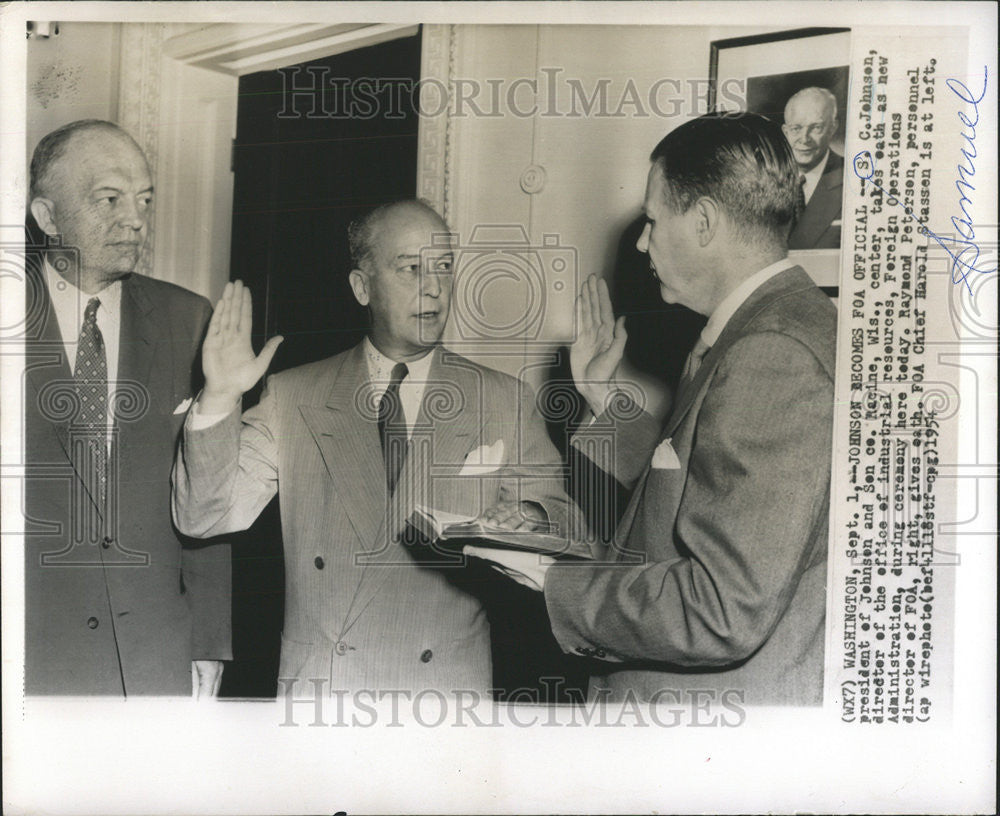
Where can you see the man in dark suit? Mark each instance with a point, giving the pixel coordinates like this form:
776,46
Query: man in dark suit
718,570
810,122
115,603
351,445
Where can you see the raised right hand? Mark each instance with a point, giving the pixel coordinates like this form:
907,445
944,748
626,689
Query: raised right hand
230,366
599,345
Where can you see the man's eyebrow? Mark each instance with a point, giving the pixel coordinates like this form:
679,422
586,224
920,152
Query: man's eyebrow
111,187
411,256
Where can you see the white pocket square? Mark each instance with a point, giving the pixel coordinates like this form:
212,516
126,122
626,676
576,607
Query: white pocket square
665,457
484,459
182,408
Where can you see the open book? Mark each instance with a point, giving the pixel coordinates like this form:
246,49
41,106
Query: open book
451,532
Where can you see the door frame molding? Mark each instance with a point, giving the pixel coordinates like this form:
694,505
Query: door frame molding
180,104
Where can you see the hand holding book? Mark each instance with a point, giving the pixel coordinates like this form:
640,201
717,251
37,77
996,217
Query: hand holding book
507,526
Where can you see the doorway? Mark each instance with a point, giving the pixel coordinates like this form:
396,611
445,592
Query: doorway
303,169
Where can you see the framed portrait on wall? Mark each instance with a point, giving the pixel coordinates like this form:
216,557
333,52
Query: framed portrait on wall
801,79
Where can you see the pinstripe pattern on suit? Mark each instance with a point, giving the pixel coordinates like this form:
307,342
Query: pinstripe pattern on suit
360,611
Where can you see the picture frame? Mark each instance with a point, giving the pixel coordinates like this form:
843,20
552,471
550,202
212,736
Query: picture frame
760,73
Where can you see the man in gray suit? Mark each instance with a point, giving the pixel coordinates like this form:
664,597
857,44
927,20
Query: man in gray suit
810,122
718,570
352,444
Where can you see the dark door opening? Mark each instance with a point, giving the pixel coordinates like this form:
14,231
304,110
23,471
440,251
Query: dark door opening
299,180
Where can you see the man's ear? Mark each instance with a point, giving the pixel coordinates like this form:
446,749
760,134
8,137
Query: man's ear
359,285
44,211
707,217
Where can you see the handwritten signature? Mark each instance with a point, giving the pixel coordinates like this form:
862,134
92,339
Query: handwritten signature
964,245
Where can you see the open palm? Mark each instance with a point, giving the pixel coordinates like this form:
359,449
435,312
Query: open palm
600,343
229,364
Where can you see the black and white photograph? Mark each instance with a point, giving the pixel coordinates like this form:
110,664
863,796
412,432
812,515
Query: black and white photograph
408,397
800,78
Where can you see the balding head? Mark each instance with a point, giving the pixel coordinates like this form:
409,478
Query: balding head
402,258
810,122
55,146
361,232
91,188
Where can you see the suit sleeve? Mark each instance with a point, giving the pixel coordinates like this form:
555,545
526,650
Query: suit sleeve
226,474
206,570
753,499
634,434
536,474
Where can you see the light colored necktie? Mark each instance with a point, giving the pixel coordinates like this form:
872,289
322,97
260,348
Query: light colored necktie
693,362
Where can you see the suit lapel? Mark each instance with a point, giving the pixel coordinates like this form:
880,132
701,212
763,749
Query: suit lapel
347,437
46,365
141,327
824,204
785,282
436,441
49,377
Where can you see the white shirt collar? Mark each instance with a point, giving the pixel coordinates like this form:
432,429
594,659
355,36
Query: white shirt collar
71,302
727,308
380,366
813,177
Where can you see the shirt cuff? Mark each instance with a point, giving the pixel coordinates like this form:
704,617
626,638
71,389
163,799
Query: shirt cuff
199,422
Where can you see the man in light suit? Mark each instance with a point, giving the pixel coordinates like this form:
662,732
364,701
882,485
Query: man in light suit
718,571
352,444
116,604
810,122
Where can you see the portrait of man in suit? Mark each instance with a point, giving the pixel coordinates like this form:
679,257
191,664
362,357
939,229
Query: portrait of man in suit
810,122
716,579
351,445
116,602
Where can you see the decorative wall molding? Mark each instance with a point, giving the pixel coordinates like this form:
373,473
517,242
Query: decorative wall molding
434,137
140,69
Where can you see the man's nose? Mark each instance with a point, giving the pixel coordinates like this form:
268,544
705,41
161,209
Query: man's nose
430,284
130,215
643,243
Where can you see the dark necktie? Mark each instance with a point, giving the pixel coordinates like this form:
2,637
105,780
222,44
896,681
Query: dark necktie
800,206
392,427
693,362
90,377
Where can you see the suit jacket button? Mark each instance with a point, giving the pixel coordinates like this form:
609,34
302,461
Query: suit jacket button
580,650
92,623
600,653
319,562
106,542
340,647
426,655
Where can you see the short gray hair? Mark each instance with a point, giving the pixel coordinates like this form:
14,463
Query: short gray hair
53,147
